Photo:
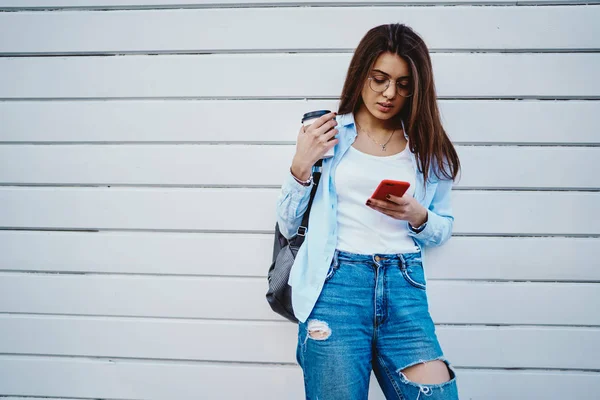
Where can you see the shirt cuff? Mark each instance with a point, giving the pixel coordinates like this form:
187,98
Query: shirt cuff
418,229
427,226
291,185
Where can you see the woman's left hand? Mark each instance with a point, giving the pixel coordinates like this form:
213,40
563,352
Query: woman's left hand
406,208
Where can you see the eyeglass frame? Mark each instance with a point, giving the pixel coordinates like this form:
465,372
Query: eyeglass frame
389,82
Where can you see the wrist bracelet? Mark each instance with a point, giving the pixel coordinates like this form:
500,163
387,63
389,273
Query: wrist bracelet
418,229
307,182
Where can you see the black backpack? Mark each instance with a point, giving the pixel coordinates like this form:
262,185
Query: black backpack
279,294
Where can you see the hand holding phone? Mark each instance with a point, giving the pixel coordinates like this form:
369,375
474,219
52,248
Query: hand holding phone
388,186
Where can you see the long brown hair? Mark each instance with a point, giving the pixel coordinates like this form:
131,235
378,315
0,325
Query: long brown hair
427,138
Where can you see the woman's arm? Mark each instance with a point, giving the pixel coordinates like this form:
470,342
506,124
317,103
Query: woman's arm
440,220
291,205
312,143
437,216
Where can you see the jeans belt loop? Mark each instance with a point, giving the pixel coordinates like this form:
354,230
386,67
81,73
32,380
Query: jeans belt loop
336,260
402,261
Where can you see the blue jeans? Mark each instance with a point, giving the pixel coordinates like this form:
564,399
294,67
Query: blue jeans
372,314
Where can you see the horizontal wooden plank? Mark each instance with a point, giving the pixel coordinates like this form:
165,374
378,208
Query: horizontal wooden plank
299,28
572,122
451,302
482,167
481,258
35,397
476,212
124,379
474,347
544,259
268,76
19,4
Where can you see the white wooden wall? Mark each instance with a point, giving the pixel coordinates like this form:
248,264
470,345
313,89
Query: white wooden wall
142,145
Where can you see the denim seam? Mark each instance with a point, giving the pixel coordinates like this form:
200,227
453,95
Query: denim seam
384,300
333,268
411,281
354,262
390,377
330,273
407,277
302,347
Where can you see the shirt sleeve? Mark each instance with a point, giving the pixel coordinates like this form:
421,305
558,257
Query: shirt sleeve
291,205
440,220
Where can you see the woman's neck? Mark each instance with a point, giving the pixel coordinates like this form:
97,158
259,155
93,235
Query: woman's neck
374,125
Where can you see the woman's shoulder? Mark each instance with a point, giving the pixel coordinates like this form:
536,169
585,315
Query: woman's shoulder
345,119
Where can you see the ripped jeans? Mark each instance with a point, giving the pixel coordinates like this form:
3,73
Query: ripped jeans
372,314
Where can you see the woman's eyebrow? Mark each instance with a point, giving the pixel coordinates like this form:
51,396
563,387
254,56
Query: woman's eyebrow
388,75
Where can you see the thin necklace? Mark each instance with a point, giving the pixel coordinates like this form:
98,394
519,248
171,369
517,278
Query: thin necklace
376,142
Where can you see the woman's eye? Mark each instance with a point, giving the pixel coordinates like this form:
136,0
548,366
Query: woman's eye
379,80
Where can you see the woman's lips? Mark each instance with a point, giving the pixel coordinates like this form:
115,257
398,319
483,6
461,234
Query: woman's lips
384,108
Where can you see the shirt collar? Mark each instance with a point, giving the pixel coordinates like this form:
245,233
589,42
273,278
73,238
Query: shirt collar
345,119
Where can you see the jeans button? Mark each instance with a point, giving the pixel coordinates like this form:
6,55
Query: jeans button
377,258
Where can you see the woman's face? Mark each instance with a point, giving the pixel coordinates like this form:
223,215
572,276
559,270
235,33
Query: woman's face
388,103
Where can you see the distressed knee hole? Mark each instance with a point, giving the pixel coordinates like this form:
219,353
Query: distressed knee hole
318,330
419,374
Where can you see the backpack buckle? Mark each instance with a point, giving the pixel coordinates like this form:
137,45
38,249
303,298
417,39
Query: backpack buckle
301,231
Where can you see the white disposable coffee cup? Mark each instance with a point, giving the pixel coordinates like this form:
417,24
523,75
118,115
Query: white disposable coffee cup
309,118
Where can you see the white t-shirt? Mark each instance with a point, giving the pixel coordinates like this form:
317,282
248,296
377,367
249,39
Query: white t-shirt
361,229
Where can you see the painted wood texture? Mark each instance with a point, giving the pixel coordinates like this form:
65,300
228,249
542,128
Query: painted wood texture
451,302
158,379
140,139
251,210
542,259
18,4
251,29
473,122
267,166
246,341
458,75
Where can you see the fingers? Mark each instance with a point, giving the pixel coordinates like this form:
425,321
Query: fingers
398,200
322,124
392,202
384,205
322,120
325,133
332,143
388,212
326,127
325,137
318,138
394,210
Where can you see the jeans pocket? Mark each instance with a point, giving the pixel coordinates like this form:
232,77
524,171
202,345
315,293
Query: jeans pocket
413,273
332,270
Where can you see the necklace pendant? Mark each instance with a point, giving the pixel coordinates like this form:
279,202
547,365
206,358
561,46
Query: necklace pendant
383,147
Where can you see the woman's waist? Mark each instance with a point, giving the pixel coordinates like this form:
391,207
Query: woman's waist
379,258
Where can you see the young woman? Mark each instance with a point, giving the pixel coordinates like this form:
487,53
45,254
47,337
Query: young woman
358,284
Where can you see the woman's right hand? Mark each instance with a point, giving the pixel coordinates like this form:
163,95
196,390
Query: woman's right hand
312,144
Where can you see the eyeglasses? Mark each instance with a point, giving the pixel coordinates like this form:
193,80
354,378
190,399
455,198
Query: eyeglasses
380,83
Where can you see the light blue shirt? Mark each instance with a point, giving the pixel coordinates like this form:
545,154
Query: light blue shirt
316,253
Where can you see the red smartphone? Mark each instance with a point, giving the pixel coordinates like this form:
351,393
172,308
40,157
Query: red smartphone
388,186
